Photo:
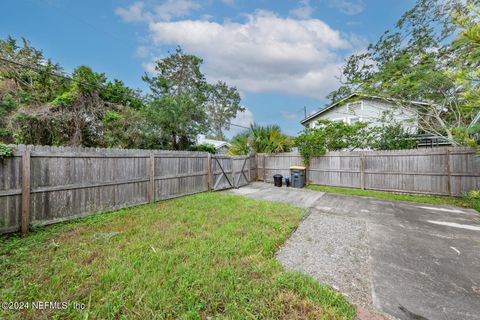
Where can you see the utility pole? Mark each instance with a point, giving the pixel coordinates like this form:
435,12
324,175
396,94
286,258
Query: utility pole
305,112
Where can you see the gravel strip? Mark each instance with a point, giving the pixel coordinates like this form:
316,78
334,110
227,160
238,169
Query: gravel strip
334,251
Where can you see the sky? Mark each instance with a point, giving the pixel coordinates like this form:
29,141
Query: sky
283,56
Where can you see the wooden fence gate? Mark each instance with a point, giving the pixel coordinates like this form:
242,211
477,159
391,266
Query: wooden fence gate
230,172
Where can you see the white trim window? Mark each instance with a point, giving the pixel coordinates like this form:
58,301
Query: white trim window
353,120
353,107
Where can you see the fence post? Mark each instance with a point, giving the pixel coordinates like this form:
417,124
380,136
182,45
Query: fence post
25,221
256,167
151,185
209,170
249,168
362,171
233,171
307,174
264,169
449,173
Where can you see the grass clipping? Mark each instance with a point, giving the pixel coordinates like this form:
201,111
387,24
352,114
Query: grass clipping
199,257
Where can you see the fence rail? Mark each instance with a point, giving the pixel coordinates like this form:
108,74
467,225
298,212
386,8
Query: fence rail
43,185
440,171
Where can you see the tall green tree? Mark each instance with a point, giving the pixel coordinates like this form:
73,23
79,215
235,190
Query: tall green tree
39,105
178,99
222,106
419,61
19,86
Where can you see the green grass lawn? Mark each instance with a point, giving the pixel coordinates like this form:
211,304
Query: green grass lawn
440,200
204,256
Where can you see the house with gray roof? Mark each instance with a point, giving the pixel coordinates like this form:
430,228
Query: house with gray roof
359,107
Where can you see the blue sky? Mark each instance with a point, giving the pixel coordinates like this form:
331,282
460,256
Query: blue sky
281,55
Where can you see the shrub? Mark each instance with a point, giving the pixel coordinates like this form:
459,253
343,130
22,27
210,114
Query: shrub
5,151
7,103
330,136
66,99
473,198
207,147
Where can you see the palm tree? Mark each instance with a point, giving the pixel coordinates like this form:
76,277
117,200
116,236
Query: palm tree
240,145
261,139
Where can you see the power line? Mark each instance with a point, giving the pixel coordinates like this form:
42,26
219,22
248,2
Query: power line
55,74
237,125
69,78
37,69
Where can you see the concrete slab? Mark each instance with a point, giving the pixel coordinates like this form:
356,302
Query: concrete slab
303,198
409,260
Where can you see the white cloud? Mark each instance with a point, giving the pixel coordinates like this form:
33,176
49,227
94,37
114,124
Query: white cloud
142,52
134,13
164,12
149,66
264,53
175,8
288,115
348,7
244,119
303,11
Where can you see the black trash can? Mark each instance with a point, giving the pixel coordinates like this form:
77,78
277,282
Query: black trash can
298,176
277,180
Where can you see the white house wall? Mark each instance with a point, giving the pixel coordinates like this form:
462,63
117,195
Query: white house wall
371,112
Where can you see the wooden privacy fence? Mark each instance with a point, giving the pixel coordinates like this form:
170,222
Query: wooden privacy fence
43,185
441,171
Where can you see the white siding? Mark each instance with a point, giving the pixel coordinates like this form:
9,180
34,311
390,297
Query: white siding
370,111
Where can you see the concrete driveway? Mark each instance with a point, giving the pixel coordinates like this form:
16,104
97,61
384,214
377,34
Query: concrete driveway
406,260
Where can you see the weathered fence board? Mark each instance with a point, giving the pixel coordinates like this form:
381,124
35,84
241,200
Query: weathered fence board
253,168
441,171
10,193
222,172
241,171
269,165
67,183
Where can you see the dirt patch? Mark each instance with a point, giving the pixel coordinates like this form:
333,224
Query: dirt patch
90,258
74,233
364,314
162,226
295,307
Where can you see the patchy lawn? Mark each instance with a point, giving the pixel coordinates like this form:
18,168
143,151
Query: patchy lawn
201,256
440,200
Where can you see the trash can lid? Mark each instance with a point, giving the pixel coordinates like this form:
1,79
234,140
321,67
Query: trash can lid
297,168
277,176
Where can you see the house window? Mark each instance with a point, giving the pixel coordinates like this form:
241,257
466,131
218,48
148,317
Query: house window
354,119
338,119
353,107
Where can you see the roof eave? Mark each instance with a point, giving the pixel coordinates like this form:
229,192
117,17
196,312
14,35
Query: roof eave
309,118
327,108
